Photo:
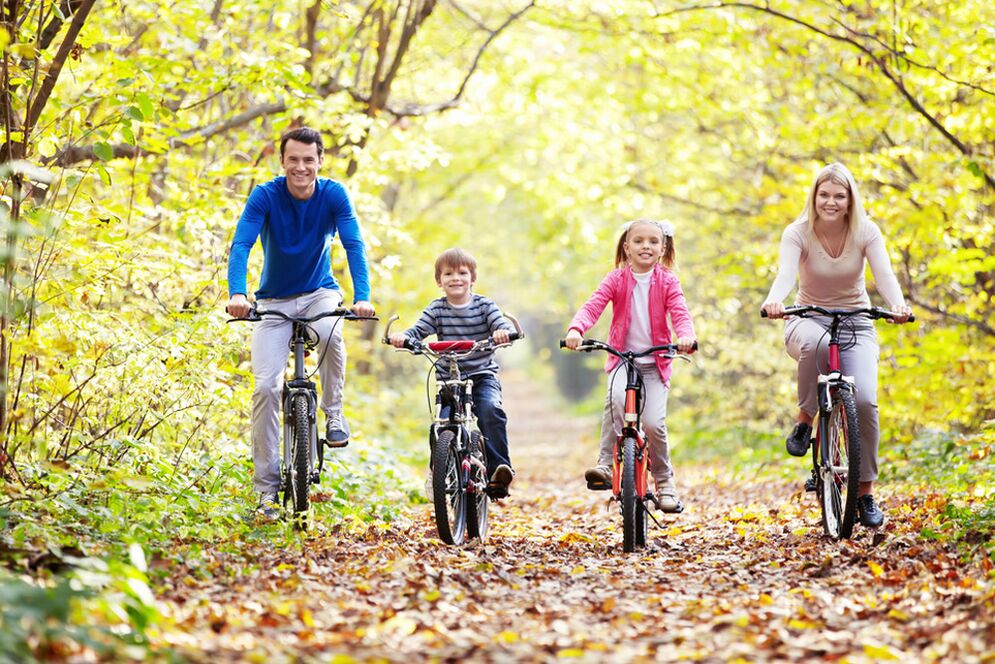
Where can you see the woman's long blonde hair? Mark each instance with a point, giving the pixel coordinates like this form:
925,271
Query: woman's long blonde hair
841,175
668,258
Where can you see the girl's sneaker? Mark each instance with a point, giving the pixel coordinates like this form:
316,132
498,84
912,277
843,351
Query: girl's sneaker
599,478
666,497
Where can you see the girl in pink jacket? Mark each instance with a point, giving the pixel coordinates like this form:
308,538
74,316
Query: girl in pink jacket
644,292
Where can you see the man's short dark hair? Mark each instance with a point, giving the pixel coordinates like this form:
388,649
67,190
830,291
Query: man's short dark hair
302,135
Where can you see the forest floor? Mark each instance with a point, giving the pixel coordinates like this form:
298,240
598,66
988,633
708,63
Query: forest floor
744,574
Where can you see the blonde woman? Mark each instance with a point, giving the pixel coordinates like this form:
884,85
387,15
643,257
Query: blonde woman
825,250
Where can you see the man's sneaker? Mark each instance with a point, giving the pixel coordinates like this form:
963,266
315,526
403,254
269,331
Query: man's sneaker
869,513
598,478
269,508
797,443
667,497
337,431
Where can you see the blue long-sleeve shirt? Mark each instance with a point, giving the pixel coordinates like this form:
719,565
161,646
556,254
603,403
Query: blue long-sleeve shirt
297,238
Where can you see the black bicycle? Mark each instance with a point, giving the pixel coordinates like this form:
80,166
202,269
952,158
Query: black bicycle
836,450
460,490
301,445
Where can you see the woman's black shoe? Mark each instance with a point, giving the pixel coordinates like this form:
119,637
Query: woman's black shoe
870,514
797,442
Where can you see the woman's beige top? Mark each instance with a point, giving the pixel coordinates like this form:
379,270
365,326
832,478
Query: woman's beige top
834,283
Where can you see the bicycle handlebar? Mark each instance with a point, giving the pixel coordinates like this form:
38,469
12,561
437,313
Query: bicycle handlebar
587,345
256,315
872,312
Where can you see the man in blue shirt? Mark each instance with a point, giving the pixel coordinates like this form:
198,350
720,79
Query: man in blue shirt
295,215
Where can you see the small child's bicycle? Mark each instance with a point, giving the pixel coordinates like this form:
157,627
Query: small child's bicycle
630,461
301,445
836,449
459,457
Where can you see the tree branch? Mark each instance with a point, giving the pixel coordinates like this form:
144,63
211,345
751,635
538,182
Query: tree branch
882,67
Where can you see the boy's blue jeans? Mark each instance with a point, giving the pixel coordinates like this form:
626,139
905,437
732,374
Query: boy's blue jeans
491,419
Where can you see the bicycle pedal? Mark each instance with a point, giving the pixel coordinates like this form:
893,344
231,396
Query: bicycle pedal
334,445
599,486
496,491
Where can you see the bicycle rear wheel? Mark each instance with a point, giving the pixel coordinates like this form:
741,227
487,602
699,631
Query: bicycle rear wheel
628,499
476,504
839,468
298,471
448,492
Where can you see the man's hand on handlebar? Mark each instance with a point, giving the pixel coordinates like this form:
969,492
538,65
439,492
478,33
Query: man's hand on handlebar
573,339
238,306
363,308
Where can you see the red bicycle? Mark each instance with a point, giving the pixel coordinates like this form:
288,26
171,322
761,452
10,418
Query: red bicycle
630,461
836,452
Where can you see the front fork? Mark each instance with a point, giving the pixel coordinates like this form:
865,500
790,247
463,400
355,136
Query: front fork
291,390
828,384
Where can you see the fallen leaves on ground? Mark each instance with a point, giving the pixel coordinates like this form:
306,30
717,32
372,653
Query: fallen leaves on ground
743,574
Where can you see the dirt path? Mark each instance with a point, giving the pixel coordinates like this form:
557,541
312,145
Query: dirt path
743,573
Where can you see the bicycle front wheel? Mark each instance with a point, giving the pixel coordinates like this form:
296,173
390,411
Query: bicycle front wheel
298,484
448,492
629,500
476,504
839,468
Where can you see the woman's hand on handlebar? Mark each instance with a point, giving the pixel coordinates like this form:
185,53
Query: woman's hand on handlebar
573,339
774,309
904,312
238,306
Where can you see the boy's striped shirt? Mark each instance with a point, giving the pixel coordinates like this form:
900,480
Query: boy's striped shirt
476,320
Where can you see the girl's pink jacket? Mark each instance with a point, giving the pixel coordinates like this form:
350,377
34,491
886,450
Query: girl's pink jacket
665,298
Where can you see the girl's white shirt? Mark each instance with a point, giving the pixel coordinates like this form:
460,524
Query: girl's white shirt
639,336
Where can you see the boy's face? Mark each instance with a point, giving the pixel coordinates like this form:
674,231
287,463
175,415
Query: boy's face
456,282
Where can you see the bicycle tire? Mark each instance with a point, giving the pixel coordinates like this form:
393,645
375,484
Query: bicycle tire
642,519
839,467
628,499
448,491
299,470
476,504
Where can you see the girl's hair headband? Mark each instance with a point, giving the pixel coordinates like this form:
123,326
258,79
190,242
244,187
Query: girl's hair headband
665,227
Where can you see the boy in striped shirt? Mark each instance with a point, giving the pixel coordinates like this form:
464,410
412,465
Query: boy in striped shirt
462,314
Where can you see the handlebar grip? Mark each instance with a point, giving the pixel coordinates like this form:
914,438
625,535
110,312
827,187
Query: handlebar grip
563,343
411,345
694,346
513,336
763,313
912,318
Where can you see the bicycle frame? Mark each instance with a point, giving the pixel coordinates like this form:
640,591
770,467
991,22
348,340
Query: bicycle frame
835,460
458,469
631,428
301,341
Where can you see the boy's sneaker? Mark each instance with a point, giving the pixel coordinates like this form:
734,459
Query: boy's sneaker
869,513
797,443
598,478
268,508
500,480
337,431
667,497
